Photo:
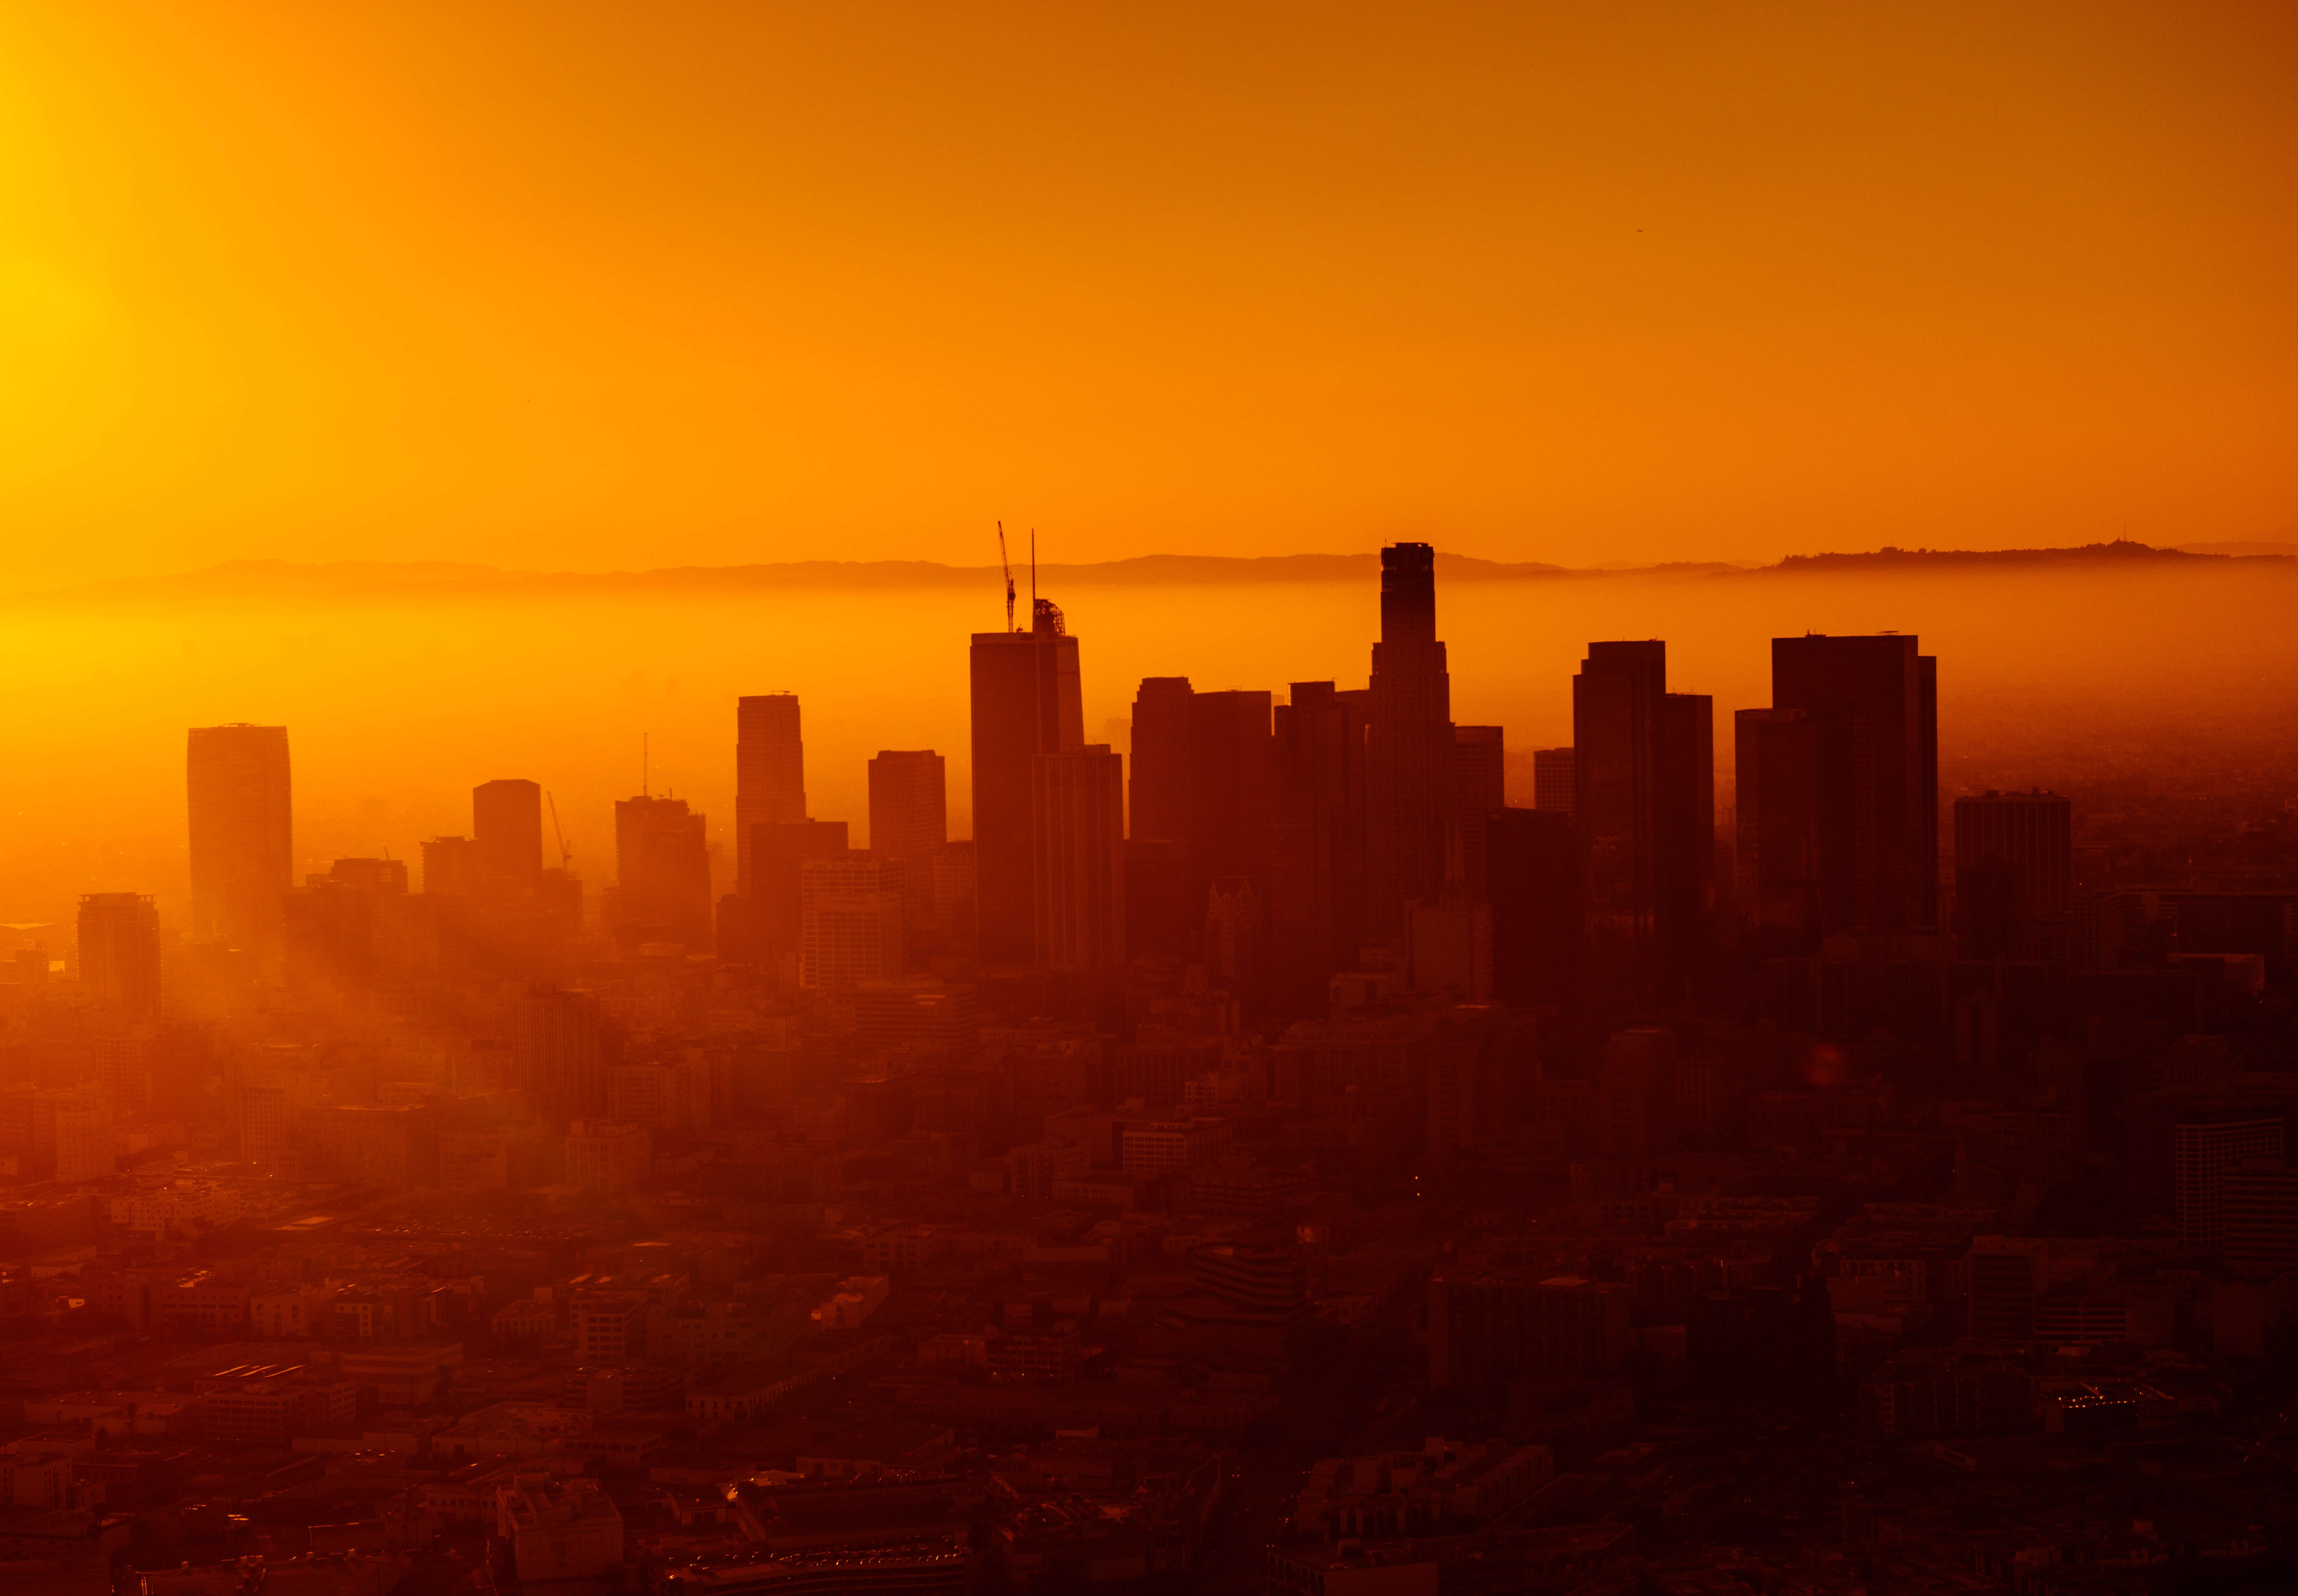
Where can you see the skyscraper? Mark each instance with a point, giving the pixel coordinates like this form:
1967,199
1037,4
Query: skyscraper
507,830
850,917
662,865
1025,702
1480,775
771,911
1776,776
1409,766
1533,874
119,953
1232,786
2013,869
1317,885
1554,785
769,771
242,835
1618,701
1078,873
909,824
1643,766
1873,703
1160,807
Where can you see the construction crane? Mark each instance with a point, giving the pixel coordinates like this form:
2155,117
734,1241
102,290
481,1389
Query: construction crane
565,854
1007,566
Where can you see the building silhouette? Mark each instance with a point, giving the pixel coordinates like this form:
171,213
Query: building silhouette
507,837
1533,881
1776,846
909,824
1160,808
1554,784
850,922
769,771
662,867
1409,747
2014,871
1480,776
242,835
1025,702
119,953
1079,873
1317,873
1873,704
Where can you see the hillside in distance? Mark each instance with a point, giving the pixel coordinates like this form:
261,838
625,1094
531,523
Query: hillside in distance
352,579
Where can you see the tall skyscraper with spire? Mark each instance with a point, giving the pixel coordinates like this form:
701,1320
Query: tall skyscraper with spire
1410,750
1026,701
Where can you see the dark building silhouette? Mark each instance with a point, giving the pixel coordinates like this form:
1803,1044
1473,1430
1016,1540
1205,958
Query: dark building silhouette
769,771
1078,873
560,1053
1533,878
2014,871
1025,702
1317,873
662,865
768,920
339,927
1410,750
242,835
1232,785
1643,767
1163,899
1776,776
507,830
119,953
1481,782
1554,785
1875,702
909,824
450,867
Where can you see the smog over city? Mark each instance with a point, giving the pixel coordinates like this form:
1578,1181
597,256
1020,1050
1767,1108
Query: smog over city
1328,800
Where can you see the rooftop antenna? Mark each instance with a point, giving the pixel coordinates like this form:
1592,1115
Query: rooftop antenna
1033,576
1007,566
645,753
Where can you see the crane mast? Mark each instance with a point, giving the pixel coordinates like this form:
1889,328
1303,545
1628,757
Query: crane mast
1007,566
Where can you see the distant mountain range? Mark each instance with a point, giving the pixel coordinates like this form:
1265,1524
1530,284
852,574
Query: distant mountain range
386,579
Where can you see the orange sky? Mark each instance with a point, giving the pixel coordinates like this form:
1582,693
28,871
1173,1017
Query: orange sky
584,286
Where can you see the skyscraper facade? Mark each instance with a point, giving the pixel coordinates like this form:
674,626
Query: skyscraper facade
1618,701
1480,776
1776,804
2014,871
1409,748
909,824
1025,702
1317,873
1078,873
769,771
1874,702
851,913
242,835
662,864
1554,785
119,953
507,830
1160,784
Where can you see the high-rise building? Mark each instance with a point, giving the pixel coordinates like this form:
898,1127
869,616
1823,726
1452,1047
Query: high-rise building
1618,701
1160,807
2205,1151
1683,842
119,953
1025,702
1554,780
1635,1097
909,824
507,838
1078,873
2014,871
662,866
2261,1215
769,771
1480,779
850,922
1317,883
242,835
773,905
340,926
450,867
1232,788
1533,872
1874,705
1776,777
1409,747
559,1053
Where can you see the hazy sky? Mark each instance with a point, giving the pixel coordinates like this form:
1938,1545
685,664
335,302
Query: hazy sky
584,286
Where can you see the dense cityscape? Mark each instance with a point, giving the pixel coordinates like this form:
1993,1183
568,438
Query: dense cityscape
1314,1148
